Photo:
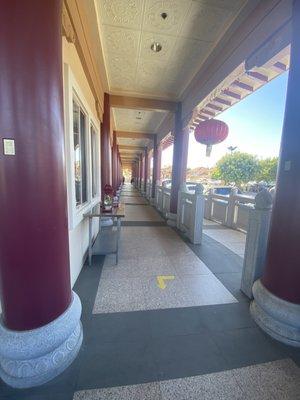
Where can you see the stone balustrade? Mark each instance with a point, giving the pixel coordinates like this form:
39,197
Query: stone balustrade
230,210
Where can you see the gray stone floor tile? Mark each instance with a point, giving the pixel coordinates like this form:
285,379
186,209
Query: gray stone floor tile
145,391
247,346
117,364
187,355
118,327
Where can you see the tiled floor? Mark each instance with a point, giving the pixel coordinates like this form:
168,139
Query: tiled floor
133,284
170,348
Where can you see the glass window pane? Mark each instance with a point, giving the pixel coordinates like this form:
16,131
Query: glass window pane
77,155
83,157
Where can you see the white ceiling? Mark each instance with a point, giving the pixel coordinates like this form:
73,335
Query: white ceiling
137,120
187,35
133,142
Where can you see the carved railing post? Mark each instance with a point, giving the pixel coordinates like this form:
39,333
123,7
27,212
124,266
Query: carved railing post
198,211
231,207
256,242
208,204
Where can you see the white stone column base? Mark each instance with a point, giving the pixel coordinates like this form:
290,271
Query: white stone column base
31,358
171,219
277,317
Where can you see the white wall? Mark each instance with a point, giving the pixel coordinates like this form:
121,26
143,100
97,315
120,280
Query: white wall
74,78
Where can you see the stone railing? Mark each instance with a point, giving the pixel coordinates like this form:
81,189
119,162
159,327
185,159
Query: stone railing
231,210
190,211
162,197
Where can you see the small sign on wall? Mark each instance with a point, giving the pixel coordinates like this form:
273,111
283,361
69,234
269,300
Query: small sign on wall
9,147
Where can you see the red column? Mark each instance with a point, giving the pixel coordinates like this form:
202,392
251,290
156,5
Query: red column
146,169
180,152
115,163
105,144
119,166
34,253
282,273
141,171
156,164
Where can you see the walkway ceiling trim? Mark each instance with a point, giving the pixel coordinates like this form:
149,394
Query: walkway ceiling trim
255,54
240,84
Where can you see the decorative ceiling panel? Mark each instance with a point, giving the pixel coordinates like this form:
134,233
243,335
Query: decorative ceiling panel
137,120
167,42
126,13
175,10
187,30
204,22
121,41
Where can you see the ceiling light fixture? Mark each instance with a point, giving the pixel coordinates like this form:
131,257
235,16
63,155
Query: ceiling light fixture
164,15
156,47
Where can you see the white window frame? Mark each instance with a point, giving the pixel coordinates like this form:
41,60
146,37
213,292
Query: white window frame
97,166
72,92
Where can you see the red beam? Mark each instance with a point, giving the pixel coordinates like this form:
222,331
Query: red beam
243,85
230,93
213,107
207,112
222,101
281,66
203,117
258,76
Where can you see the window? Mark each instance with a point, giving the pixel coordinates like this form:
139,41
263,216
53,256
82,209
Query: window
80,166
94,161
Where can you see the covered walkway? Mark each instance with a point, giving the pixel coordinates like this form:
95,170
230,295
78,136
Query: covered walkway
192,339
109,89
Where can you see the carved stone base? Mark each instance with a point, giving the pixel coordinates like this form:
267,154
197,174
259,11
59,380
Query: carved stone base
31,358
277,317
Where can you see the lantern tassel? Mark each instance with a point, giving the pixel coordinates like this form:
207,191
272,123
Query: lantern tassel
208,150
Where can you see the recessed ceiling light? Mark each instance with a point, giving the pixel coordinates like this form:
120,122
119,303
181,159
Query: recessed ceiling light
156,47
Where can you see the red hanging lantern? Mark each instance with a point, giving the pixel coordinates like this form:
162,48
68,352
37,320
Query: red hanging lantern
211,132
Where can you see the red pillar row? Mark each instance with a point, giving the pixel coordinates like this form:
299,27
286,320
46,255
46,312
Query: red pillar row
34,252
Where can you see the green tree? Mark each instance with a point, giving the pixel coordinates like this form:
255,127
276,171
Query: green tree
267,170
236,168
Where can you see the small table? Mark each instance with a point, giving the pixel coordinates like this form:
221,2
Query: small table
107,240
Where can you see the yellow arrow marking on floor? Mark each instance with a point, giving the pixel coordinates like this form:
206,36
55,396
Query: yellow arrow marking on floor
161,280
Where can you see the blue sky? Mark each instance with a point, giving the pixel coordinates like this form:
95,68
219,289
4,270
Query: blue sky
255,125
